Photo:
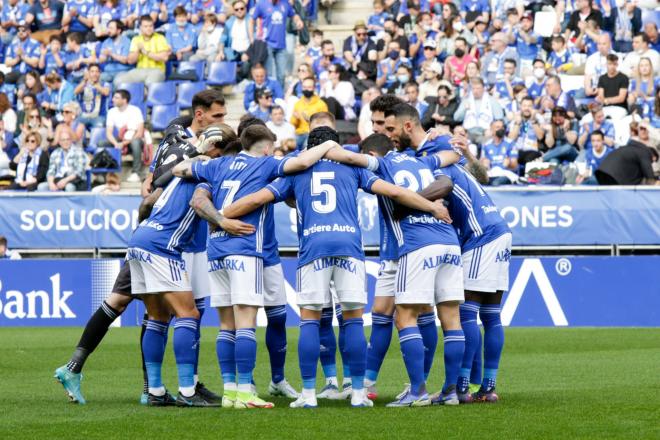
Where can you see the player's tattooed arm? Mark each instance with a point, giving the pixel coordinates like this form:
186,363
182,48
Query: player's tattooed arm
474,167
144,211
202,203
410,199
249,203
308,157
184,169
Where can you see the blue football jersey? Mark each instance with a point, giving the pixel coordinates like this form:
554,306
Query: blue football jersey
432,146
474,214
326,199
418,229
233,177
172,223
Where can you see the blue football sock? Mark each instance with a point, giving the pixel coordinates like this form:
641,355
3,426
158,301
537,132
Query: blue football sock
276,341
341,342
468,310
153,349
477,364
185,339
454,348
328,344
308,351
225,348
429,332
356,351
246,354
412,349
493,343
201,307
379,343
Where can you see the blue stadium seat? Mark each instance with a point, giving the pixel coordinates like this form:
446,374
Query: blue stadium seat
135,89
186,92
96,135
161,115
163,93
222,73
116,154
197,66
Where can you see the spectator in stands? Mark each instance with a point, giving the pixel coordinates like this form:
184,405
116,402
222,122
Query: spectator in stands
376,21
30,164
422,40
392,33
29,102
32,85
46,17
364,120
536,87
7,151
583,11
314,47
264,104
114,52
304,108
481,37
53,59
34,123
150,51
560,58
477,111
654,112
412,98
526,131
642,86
70,124
493,62
274,15
236,38
626,21
559,97
503,87
472,9
613,89
78,16
441,112
77,57
560,139
137,9
641,49
456,64
295,89
202,7
454,32
593,158
5,252
598,122
596,65
403,76
278,125
499,156
260,80
106,11
13,12
327,59
124,129
526,42
359,47
339,94
22,55
651,31
7,114
629,165
430,80
66,170
92,95
209,48
589,33
58,92
472,71
181,37
388,67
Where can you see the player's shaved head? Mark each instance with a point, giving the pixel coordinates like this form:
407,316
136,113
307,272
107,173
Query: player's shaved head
376,143
322,119
257,137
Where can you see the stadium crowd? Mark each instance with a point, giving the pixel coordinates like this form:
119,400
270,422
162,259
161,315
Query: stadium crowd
538,109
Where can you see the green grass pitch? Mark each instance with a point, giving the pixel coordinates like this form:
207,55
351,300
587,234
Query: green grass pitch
553,383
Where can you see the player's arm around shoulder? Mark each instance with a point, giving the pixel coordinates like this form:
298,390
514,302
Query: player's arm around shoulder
308,157
144,211
409,199
347,157
202,203
184,169
249,203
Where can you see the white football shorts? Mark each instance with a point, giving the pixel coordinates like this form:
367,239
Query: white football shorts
236,280
386,282
486,268
197,265
151,273
349,276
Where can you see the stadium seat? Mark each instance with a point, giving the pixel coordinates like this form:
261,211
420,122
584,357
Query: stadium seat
163,93
161,115
116,154
222,73
186,92
97,134
197,66
135,89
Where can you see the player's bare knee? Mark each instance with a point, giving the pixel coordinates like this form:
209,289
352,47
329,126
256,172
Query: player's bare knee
383,305
118,301
311,312
406,316
226,317
352,310
449,315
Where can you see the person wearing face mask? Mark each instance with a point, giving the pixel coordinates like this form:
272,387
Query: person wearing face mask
388,68
641,49
536,83
403,77
391,33
208,41
458,29
181,37
456,64
303,110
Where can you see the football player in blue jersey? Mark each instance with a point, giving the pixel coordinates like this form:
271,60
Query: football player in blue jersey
159,276
428,269
236,264
330,250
